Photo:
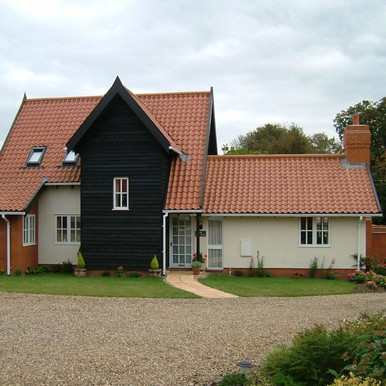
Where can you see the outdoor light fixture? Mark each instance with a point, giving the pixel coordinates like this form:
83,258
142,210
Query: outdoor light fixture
245,367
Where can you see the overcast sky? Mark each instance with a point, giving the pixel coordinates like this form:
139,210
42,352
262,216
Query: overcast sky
274,61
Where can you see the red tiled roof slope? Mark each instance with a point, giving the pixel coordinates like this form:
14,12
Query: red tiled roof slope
185,116
41,122
51,122
287,184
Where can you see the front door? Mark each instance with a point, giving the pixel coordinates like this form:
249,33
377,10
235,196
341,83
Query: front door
181,242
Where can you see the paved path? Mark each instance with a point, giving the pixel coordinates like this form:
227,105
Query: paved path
186,281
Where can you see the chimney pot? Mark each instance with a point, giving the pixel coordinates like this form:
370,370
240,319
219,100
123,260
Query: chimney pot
355,119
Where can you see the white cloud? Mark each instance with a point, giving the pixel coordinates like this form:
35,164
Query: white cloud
299,61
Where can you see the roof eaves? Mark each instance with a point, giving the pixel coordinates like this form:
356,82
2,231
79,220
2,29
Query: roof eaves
13,123
143,114
374,188
208,137
36,195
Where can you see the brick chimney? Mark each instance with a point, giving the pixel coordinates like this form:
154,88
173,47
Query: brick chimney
356,142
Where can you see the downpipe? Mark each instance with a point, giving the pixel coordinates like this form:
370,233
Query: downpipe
8,244
164,217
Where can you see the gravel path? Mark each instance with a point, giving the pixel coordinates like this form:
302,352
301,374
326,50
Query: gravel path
57,340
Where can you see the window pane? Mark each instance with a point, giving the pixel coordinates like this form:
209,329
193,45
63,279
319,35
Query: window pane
214,258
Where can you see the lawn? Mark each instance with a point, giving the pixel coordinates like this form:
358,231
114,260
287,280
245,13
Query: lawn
68,284
277,286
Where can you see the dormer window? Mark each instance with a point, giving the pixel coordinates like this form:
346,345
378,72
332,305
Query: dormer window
36,156
71,158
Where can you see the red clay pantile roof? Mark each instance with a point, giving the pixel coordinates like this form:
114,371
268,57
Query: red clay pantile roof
185,115
41,122
287,184
51,122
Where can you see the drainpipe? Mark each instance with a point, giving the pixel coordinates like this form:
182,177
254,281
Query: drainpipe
198,247
359,243
164,217
8,244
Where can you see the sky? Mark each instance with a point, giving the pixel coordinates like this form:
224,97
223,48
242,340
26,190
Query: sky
282,61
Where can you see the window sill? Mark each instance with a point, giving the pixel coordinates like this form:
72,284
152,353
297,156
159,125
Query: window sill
314,246
120,209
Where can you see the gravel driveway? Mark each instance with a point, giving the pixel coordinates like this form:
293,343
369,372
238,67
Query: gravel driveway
57,340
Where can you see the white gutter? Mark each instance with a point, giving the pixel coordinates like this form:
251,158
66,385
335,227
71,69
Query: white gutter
282,214
8,244
184,211
359,244
12,213
164,217
62,183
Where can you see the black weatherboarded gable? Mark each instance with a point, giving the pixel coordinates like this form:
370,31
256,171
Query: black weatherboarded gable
118,144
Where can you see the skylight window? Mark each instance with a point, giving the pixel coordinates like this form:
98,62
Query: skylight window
36,156
71,158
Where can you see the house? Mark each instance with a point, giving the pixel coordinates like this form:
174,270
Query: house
125,176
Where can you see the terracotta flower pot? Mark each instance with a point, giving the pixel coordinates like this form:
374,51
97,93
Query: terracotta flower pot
196,271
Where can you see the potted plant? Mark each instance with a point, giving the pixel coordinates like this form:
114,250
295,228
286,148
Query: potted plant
196,266
154,267
201,259
80,269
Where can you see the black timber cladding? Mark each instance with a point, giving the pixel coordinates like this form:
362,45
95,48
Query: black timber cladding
117,144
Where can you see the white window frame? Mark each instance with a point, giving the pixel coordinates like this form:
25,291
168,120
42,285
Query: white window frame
121,197
66,231
36,155
321,229
71,158
29,230
215,247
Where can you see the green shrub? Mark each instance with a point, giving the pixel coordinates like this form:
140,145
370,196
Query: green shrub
2,271
355,381
313,267
106,273
330,276
81,263
67,266
57,268
317,356
307,360
154,263
239,272
18,272
236,379
134,274
120,272
38,270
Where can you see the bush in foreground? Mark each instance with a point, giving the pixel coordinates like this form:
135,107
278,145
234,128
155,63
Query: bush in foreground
354,354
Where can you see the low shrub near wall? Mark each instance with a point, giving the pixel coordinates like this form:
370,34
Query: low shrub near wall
372,279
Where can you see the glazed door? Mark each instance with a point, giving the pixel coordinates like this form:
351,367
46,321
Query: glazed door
181,242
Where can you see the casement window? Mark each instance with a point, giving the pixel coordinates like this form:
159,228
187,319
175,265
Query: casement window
214,244
121,193
29,234
314,231
71,158
67,229
35,157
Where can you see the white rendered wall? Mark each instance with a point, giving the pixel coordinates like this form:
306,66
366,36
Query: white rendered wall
277,240
61,200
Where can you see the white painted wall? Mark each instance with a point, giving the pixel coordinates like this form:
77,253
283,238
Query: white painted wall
277,239
61,200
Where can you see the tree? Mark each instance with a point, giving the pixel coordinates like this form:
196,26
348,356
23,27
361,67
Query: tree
324,145
273,138
374,115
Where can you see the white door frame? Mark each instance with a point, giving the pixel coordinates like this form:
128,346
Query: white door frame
183,241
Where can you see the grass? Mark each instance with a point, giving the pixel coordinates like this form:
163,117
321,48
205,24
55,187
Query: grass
67,284
278,286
